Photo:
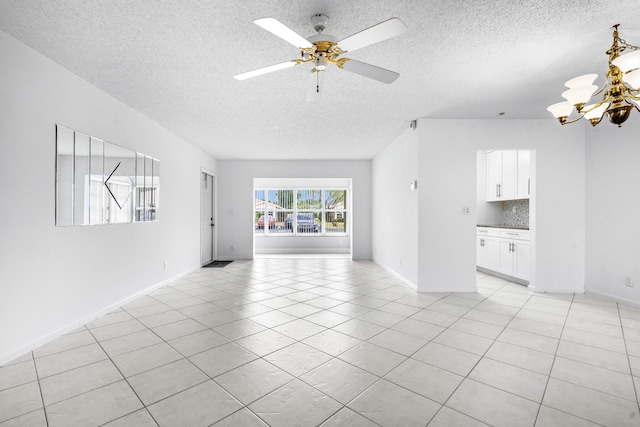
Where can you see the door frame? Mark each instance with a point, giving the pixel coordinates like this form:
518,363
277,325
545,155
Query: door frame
214,210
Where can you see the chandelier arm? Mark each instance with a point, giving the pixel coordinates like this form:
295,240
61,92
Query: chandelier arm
567,122
604,86
632,96
584,111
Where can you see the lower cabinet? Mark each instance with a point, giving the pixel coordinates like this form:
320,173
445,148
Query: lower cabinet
488,252
504,250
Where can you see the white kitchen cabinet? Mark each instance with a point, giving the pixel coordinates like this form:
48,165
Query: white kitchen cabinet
494,175
503,250
514,253
521,259
507,175
487,252
523,177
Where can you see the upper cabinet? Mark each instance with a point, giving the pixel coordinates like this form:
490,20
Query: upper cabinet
508,175
523,179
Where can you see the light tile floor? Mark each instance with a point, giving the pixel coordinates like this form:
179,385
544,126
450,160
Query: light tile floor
334,343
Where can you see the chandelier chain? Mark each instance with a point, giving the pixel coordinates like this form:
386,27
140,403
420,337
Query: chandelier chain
624,43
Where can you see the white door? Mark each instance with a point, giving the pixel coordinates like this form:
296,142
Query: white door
506,257
207,218
492,251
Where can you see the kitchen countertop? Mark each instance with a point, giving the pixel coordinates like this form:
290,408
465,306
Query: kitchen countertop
513,227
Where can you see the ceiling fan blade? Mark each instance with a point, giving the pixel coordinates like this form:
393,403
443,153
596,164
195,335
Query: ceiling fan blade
316,84
264,70
376,73
285,33
385,30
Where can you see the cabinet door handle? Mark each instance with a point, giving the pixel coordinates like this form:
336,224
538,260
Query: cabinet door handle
512,234
529,186
497,190
483,231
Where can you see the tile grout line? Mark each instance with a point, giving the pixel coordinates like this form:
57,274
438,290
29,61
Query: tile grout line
476,364
127,381
555,356
624,339
35,367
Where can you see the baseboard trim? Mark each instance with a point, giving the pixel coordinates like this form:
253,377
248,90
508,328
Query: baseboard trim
397,275
503,276
38,342
614,298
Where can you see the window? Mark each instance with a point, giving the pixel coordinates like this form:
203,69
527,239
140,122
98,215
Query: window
300,212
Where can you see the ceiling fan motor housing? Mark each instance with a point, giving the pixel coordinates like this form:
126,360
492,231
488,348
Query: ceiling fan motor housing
319,22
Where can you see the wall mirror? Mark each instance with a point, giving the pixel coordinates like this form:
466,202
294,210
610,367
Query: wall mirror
102,183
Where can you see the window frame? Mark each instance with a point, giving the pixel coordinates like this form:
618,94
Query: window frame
318,212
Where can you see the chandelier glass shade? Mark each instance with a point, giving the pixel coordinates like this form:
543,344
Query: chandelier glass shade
620,91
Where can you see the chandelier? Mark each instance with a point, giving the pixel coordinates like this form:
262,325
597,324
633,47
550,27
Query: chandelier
620,92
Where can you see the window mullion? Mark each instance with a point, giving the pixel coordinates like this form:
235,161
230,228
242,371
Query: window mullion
294,220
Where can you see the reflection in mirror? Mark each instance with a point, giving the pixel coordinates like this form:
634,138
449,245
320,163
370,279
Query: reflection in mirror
148,186
155,191
147,179
102,183
64,176
81,194
118,161
96,186
139,186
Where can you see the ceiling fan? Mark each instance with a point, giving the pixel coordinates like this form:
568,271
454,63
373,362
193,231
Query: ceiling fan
322,49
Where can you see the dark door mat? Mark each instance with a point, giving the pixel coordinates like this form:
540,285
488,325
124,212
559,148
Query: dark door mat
218,264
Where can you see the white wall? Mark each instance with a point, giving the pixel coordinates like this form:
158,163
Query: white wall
613,209
395,207
448,161
236,203
56,278
309,245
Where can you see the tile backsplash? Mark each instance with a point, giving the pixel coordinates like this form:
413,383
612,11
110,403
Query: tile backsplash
516,212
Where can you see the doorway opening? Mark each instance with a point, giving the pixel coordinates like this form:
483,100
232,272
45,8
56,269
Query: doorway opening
506,206
208,241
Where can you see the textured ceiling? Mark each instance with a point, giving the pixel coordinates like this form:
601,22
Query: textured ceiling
173,60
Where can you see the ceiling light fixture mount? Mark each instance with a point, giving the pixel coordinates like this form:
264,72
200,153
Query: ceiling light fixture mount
621,89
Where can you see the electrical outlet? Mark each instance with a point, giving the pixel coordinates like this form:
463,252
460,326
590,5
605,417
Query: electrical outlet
628,282
466,210
166,265
513,209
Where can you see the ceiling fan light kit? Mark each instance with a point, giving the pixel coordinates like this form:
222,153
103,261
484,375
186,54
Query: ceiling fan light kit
620,91
322,49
